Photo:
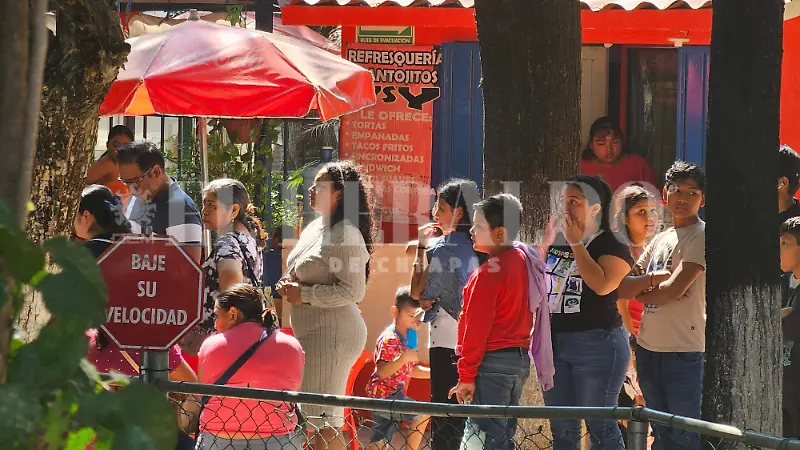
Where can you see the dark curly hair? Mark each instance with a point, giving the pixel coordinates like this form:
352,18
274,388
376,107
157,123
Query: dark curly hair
682,171
344,173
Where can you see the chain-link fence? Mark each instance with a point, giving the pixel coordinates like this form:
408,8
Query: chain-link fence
237,418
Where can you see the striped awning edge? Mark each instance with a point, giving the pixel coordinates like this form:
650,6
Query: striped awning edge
595,5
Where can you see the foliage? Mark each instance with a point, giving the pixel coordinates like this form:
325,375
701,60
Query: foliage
54,398
247,163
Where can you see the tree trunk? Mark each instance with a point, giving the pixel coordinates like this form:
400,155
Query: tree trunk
530,57
23,39
82,62
742,375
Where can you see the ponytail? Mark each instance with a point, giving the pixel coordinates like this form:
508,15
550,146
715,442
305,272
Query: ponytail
106,208
251,302
269,319
250,220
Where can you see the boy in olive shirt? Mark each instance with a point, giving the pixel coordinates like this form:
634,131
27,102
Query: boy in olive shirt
671,342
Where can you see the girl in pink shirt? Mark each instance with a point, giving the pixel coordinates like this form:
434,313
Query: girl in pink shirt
607,157
232,423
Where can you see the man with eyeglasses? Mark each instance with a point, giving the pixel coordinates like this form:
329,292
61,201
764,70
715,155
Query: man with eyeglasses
159,203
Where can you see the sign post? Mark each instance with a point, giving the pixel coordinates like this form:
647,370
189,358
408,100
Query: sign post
155,292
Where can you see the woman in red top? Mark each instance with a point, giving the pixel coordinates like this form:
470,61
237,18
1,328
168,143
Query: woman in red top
607,157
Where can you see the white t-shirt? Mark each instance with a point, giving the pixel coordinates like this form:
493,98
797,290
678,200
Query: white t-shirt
677,326
443,331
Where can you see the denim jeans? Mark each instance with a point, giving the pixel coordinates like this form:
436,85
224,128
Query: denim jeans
590,369
291,441
672,382
501,376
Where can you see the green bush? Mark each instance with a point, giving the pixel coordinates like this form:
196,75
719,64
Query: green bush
54,398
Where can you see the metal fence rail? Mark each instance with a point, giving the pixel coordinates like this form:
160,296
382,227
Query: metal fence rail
360,429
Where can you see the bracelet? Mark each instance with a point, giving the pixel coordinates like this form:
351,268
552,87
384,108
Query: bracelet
651,281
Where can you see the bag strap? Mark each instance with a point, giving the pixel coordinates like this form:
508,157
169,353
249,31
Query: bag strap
228,374
248,267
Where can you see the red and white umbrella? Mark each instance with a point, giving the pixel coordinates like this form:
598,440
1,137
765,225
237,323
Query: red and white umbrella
205,69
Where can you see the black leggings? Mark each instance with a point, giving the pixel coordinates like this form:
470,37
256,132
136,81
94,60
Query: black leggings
447,431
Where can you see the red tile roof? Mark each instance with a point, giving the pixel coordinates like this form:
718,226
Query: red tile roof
595,5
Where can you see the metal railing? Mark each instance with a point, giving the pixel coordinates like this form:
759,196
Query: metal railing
243,418
357,431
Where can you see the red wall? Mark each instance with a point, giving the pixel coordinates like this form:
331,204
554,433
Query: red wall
790,84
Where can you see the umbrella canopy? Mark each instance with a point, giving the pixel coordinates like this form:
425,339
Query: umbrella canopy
142,23
204,69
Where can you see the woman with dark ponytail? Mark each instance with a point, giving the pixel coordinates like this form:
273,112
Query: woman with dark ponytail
326,279
236,255
438,286
100,219
247,333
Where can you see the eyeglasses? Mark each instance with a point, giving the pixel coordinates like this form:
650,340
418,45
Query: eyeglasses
136,181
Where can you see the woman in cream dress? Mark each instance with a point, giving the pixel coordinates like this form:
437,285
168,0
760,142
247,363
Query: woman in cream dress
326,279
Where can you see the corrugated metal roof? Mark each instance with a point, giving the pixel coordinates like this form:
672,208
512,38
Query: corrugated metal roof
595,5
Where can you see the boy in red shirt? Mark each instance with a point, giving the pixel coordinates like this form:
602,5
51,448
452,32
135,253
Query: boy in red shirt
495,324
396,362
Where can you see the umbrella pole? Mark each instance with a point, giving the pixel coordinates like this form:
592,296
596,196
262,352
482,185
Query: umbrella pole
202,134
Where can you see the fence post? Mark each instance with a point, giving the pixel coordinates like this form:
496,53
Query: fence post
637,435
155,367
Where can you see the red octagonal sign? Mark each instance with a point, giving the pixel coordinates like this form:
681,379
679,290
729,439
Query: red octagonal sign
155,292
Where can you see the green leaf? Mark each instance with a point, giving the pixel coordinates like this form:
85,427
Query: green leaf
74,259
54,357
68,294
80,439
146,407
57,421
79,289
135,438
21,413
28,258
104,440
102,411
16,344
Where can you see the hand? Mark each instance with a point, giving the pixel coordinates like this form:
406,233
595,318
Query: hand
410,355
637,270
426,232
463,392
411,248
426,304
660,276
550,231
573,230
290,291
